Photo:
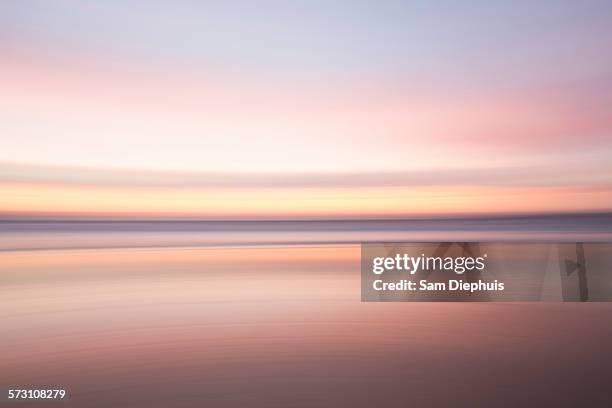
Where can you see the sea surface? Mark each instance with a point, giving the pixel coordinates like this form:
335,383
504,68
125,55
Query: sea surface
268,314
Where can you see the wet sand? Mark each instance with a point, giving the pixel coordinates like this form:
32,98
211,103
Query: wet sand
279,326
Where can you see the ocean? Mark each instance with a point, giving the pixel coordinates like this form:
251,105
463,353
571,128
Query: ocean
268,314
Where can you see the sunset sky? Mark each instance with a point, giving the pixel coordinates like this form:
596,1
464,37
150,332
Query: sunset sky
304,109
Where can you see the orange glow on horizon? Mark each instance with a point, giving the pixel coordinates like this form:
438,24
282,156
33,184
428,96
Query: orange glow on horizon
275,203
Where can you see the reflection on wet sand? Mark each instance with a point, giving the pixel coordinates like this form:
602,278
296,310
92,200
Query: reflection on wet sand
278,326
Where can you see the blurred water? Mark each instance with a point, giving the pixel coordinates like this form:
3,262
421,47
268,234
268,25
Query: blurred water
24,235
268,315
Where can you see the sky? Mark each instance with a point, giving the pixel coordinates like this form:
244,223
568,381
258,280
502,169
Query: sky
304,109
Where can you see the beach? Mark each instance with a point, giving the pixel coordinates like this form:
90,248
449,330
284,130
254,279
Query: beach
267,325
